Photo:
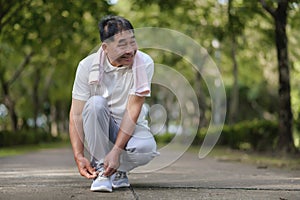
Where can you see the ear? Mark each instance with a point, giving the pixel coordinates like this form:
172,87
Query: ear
104,47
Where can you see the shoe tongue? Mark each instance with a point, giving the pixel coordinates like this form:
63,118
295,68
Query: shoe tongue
101,175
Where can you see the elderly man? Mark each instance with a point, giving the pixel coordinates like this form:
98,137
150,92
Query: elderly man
107,112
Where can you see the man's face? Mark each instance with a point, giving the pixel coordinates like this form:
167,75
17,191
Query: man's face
122,49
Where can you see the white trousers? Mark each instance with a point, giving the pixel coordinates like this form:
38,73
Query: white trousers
101,131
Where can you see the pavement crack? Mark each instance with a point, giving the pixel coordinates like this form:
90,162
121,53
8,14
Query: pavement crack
136,197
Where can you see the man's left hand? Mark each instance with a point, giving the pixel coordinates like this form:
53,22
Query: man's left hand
112,162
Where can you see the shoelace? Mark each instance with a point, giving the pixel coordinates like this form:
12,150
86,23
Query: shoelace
120,175
101,176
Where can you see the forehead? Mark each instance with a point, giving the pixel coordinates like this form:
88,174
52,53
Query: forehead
124,35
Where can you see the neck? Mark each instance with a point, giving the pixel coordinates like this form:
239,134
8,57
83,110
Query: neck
114,63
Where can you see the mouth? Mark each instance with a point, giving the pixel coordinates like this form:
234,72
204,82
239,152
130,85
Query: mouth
127,56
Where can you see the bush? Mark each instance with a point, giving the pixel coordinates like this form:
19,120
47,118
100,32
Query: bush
258,135
8,138
164,138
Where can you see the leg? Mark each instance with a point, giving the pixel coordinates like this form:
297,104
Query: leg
99,128
140,149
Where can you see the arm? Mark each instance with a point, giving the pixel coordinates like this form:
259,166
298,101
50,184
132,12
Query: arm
133,109
77,138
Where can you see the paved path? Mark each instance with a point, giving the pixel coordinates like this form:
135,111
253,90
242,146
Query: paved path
52,174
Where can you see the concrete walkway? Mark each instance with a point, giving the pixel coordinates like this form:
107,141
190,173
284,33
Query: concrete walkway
52,174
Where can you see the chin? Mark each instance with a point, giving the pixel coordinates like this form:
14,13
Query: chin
127,62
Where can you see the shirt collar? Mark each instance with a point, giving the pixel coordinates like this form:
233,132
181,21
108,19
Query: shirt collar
107,66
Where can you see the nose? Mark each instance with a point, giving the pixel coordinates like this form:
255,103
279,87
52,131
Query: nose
130,49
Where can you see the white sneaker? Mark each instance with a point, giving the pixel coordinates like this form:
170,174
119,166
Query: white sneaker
102,183
120,180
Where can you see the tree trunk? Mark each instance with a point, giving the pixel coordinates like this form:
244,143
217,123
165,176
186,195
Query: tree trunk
10,104
201,101
234,100
285,141
35,96
285,131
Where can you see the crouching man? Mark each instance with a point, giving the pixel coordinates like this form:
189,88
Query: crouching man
107,113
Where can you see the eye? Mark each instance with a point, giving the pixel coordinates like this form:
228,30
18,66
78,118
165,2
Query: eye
133,42
122,45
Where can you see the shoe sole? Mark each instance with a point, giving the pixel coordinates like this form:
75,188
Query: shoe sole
101,189
124,185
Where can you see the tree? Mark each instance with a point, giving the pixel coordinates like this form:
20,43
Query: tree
9,14
280,15
41,40
233,30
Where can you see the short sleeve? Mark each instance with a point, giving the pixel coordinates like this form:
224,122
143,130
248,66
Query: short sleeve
150,72
81,88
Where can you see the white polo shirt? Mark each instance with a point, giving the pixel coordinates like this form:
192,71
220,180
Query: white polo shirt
117,84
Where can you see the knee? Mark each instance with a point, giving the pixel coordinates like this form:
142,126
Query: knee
95,104
146,146
143,151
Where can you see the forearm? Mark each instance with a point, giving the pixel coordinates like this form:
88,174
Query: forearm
76,136
129,120
76,130
112,159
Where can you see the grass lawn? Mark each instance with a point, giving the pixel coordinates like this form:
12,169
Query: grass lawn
21,149
261,160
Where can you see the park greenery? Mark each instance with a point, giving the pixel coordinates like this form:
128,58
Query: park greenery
254,43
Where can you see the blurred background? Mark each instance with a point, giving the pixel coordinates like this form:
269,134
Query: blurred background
255,44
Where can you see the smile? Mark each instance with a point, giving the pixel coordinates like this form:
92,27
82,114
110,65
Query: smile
127,56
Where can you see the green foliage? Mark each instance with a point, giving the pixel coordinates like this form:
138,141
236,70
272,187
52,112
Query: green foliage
8,138
259,97
259,135
164,138
61,33
57,34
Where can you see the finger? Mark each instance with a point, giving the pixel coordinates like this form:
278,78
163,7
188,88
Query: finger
85,173
91,170
89,175
105,165
109,171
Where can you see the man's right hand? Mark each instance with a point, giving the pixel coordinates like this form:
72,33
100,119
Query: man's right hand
85,168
